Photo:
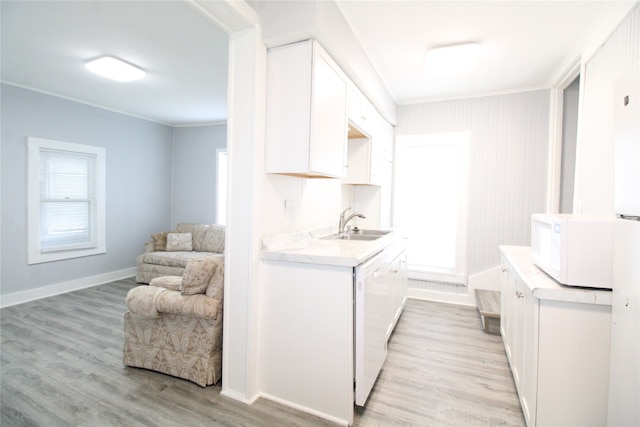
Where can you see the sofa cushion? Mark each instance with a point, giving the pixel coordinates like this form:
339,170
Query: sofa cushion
213,239
179,242
160,241
170,259
206,237
196,276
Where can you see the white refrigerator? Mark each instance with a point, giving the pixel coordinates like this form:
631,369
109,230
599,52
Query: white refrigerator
624,373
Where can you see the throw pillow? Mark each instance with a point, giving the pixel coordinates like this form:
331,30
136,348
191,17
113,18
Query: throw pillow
196,276
213,239
216,283
160,241
179,242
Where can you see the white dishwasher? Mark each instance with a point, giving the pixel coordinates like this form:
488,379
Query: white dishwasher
372,307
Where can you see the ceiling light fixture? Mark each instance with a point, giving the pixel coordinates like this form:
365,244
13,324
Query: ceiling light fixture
115,69
452,58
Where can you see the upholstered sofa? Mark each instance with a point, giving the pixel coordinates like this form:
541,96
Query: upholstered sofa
174,325
168,253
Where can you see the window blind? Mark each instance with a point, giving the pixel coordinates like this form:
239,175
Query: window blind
67,199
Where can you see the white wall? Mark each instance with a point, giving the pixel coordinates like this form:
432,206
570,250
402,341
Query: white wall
507,164
594,158
138,200
316,203
195,170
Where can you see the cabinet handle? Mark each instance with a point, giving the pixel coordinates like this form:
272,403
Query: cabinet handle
505,270
519,294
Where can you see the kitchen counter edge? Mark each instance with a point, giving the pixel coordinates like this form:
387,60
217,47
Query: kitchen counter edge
544,287
309,247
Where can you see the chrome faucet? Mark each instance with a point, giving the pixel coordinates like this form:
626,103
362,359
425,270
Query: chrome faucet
344,221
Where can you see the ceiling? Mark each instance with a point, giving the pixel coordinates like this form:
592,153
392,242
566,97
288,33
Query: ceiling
523,42
45,45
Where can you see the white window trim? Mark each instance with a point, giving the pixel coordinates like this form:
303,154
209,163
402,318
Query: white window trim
221,190
34,253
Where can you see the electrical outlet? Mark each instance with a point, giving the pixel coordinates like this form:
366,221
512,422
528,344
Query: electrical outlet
289,206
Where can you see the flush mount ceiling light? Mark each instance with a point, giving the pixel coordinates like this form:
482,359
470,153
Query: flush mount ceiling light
452,58
115,69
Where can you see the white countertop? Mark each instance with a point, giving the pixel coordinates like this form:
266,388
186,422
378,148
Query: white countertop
543,286
308,247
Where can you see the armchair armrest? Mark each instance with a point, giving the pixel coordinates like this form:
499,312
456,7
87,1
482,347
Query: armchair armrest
199,305
141,300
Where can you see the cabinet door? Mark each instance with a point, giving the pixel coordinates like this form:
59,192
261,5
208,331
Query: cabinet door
358,161
354,106
398,289
372,298
288,115
328,139
360,110
528,304
306,123
507,305
517,330
386,172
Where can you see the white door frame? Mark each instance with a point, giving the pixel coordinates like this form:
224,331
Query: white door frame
245,137
556,112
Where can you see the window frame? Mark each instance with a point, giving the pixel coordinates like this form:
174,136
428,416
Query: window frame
97,245
222,171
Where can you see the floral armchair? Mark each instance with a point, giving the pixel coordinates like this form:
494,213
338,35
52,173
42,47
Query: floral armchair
174,325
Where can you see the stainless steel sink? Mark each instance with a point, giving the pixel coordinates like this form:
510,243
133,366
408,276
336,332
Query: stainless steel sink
349,236
359,234
372,232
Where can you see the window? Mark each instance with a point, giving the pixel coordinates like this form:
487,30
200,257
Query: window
221,202
431,204
66,192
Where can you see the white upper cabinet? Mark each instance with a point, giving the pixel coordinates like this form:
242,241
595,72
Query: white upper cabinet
306,129
370,146
360,109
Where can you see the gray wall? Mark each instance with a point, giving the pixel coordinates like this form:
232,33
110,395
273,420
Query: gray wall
138,183
195,173
507,164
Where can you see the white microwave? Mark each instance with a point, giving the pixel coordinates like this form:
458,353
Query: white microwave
575,250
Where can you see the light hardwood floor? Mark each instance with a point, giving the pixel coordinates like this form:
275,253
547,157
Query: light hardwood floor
61,365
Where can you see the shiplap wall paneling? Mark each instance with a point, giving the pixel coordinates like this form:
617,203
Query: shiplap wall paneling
508,160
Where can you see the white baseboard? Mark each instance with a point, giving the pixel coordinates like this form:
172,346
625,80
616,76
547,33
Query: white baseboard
64,287
488,279
306,409
237,396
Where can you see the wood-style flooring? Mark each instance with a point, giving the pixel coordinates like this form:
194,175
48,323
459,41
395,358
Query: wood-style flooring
61,365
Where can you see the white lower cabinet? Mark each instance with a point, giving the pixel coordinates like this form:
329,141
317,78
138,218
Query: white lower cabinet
557,341
324,330
398,293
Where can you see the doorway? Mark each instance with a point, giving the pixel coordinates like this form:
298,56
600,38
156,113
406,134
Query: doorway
570,102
